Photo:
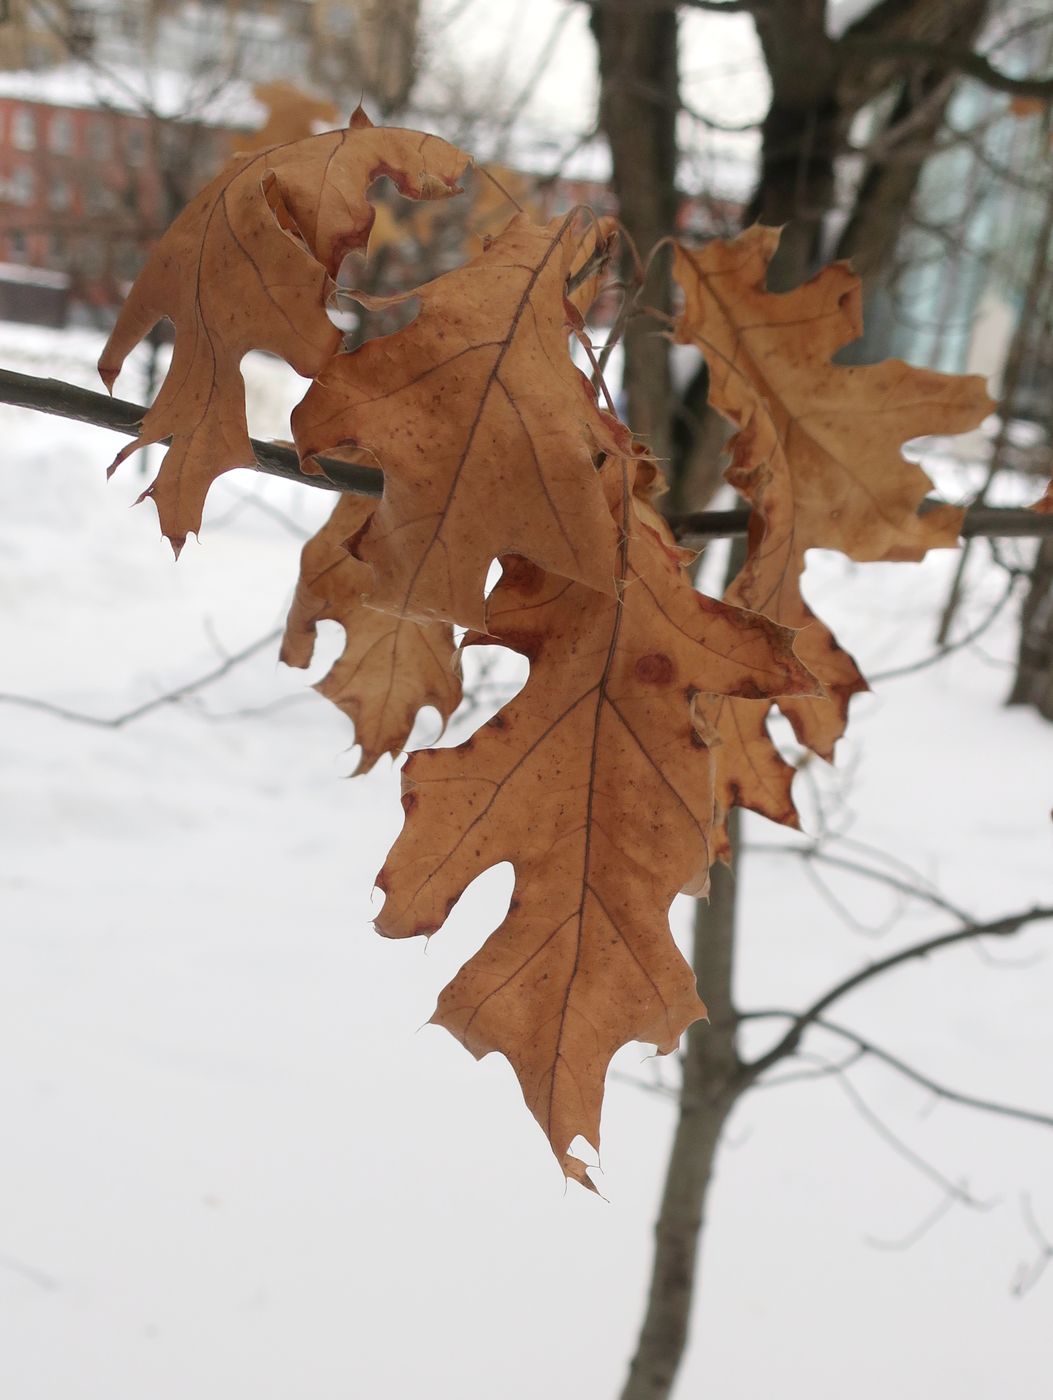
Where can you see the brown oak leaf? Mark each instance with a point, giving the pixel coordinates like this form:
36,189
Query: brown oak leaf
390,667
749,770
594,783
486,431
818,455
292,115
247,266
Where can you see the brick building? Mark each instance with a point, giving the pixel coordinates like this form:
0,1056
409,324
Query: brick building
86,188
114,112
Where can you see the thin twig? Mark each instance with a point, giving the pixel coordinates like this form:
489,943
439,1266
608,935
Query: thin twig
865,872
865,1047
952,1189
996,928
1028,1275
948,648
919,1231
171,697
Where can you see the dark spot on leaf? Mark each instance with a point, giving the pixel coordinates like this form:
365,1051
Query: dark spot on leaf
750,690
528,644
656,669
519,573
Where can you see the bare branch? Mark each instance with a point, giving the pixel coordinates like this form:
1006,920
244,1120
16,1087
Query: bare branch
121,416
29,1272
1002,521
951,1189
946,59
953,1192
715,7
997,928
947,648
864,1047
171,697
866,872
1029,1274
915,1236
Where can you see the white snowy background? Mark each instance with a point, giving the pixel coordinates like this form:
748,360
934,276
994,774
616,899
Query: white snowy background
233,1164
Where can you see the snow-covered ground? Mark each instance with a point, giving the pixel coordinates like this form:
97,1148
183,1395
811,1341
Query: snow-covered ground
232,1164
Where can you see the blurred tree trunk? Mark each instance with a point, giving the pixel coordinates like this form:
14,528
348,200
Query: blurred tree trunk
639,104
1033,684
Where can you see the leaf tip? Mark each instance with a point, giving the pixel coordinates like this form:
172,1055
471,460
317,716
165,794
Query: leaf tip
574,1169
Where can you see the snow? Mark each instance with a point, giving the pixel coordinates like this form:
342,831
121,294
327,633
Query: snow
234,1165
214,98
36,276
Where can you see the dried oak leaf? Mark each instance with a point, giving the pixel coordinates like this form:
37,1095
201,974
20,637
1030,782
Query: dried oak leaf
486,432
749,770
594,783
292,115
495,195
818,455
246,266
390,667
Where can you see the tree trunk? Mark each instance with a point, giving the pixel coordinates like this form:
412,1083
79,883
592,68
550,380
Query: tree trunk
1033,684
711,1084
639,103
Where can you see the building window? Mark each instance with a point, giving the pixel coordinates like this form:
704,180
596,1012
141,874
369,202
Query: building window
24,129
57,249
60,134
21,188
60,195
100,138
16,245
100,201
136,145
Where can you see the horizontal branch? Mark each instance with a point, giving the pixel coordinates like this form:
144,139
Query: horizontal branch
713,7
946,59
865,1047
996,928
170,697
85,406
1003,522
120,416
